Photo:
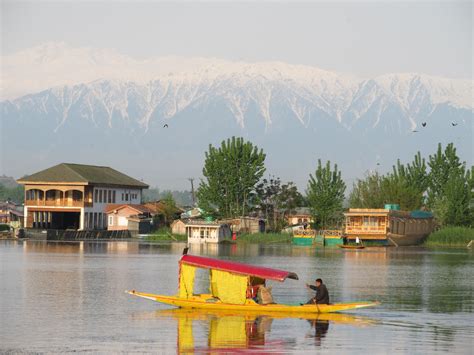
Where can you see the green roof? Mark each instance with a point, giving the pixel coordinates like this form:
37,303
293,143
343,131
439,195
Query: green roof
88,174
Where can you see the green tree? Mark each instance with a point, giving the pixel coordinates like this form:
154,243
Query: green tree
396,189
405,185
443,165
16,193
450,188
367,192
169,208
325,195
414,175
276,200
231,173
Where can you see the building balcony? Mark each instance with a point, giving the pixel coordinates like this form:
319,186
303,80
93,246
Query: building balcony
58,203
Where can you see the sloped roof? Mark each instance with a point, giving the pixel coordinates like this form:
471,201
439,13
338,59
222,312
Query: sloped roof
115,207
300,211
238,268
158,207
87,174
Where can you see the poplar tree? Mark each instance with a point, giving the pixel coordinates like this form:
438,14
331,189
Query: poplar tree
450,188
231,173
325,195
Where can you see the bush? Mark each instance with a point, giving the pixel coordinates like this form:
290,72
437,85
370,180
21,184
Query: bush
4,227
265,238
164,234
451,236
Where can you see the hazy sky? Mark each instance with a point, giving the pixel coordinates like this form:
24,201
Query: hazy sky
363,38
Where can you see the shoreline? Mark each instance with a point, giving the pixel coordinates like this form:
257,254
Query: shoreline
280,243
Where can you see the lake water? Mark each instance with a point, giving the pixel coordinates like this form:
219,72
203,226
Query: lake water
69,296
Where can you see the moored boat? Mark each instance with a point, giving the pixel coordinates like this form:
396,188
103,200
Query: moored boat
234,287
346,246
303,237
331,237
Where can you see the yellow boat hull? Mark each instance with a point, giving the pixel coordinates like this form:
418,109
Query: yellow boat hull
206,301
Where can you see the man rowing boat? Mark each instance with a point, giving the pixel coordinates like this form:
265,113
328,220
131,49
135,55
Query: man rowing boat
322,294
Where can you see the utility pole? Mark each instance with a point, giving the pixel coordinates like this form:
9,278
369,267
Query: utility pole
192,190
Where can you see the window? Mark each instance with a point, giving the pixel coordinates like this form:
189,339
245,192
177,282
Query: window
111,220
373,221
96,195
126,197
109,196
95,220
86,220
204,232
113,196
100,196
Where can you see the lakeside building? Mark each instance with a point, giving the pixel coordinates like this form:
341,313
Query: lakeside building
178,227
200,231
160,211
75,196
298,216
134,218
249,225
11,214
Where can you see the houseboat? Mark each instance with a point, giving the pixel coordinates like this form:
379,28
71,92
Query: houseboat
388,226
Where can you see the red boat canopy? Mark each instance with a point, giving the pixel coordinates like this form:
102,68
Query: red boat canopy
238,268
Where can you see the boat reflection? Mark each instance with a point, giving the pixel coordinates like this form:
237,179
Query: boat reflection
232,332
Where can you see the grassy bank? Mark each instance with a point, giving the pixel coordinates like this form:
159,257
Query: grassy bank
164,235
451,236
264,238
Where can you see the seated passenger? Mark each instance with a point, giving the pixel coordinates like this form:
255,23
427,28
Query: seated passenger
254,285
264,295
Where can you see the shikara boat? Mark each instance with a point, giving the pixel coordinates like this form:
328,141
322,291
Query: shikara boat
232,287
346,246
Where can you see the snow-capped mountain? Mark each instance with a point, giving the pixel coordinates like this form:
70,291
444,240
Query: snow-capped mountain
103,95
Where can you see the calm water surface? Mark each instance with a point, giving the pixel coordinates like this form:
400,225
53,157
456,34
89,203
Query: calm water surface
61,297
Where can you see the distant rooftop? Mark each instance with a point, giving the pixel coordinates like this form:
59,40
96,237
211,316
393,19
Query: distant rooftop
85,174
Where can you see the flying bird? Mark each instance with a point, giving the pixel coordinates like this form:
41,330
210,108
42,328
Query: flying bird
165,125
454,124
414,131
424,124
378,163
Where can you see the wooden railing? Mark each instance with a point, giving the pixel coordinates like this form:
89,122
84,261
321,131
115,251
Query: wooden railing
366,229
57,203
310,233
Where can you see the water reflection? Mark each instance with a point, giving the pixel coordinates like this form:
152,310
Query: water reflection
320,327
229,331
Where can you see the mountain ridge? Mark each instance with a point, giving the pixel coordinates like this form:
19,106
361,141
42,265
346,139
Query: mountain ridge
296,113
